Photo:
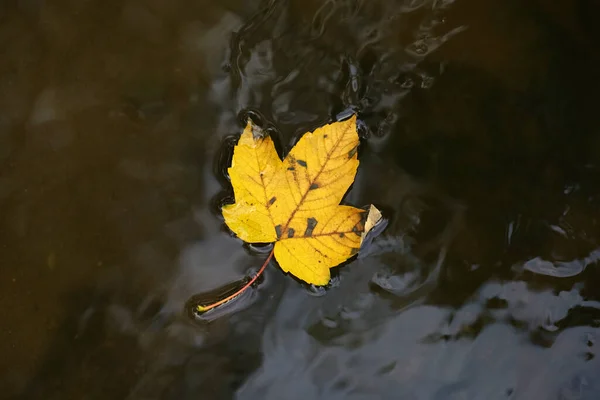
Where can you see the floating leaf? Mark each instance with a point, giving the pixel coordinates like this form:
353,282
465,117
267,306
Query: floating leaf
295,202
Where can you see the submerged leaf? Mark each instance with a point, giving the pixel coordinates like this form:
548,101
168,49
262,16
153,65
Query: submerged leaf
295,202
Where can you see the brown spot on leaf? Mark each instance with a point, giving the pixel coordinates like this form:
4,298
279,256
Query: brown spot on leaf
302,163
354,251
272,200
278,231
356,230
352,152
342,234
313,186
310,226
291,232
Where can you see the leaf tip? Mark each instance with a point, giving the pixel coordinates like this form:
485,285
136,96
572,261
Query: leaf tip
256,131
374,216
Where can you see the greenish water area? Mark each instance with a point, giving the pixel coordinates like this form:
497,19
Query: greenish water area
480,143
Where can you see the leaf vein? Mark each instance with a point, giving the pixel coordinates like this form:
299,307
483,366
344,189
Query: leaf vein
310,182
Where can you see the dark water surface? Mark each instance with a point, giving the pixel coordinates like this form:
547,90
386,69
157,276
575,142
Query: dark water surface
481,144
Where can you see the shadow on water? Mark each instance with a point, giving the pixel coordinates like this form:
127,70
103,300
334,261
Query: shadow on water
480,143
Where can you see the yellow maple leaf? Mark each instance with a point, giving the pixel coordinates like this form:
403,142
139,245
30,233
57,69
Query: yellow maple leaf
295,202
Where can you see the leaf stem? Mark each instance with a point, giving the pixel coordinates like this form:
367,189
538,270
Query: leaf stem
203,309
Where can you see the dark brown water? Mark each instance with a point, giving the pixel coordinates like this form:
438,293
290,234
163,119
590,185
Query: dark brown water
481,145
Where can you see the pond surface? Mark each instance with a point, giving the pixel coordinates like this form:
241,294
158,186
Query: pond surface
481,144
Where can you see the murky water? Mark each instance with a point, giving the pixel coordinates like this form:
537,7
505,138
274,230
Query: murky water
481,144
